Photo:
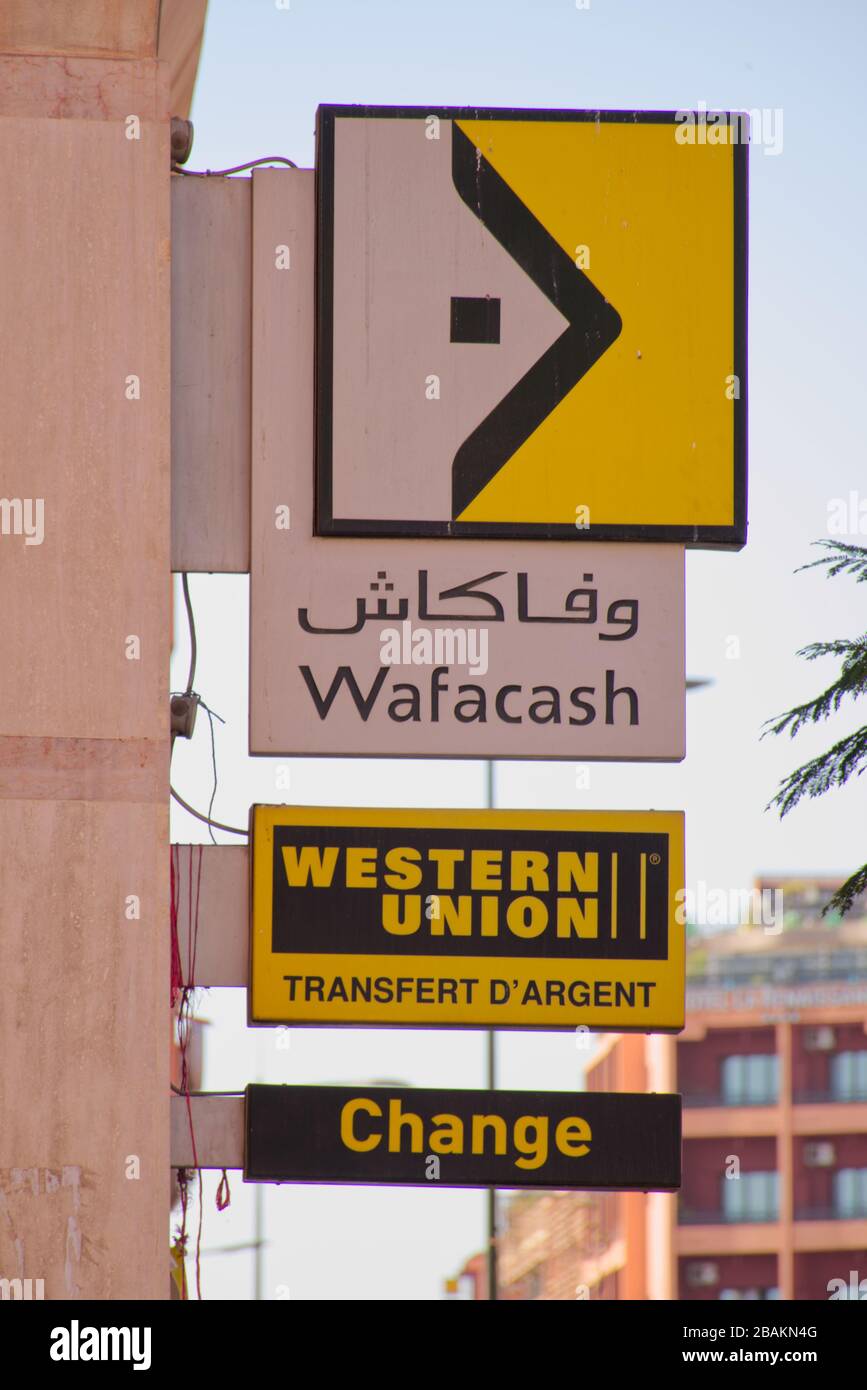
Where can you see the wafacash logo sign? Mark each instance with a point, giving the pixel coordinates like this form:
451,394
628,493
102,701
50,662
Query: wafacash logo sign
462,653
77,1343
354,688
510,703
522,379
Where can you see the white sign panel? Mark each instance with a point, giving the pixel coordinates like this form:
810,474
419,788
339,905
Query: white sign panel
412,648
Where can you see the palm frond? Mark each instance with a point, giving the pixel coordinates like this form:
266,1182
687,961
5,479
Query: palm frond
842,559
846,895
819,775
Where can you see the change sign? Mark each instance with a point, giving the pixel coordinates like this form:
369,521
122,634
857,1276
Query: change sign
462,1138
531,324
532,919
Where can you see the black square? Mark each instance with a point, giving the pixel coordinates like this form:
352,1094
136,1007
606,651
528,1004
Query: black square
475,320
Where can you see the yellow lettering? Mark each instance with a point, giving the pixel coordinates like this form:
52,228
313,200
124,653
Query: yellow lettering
529,869
486,869
392,920
458,921
571,916
573,872
347,1131
449,1137
570,1133
403,863
312,863
497,1124
526,917
445,860
535,1148
397,1121
360,868
490,916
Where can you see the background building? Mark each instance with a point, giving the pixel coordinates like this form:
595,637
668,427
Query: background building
772,1067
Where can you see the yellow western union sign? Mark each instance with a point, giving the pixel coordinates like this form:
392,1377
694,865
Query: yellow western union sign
531,919
532,323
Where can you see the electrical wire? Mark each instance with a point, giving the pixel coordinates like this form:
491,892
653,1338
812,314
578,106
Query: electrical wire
185,582
218,825
184,1013
212,715
238,169
207,819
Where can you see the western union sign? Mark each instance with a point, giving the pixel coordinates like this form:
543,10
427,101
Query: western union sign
532,324
462,1138
531,919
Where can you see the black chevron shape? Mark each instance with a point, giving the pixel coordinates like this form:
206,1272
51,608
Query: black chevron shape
594,324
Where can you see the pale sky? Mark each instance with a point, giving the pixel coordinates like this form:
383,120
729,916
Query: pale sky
264,69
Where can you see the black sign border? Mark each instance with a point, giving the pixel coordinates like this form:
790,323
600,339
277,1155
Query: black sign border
407,949
256,838
731,537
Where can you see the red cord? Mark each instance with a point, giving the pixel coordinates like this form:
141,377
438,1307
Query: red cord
177,978
224,1196
187,991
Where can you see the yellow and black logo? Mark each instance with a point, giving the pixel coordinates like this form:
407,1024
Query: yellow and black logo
531,324
541,919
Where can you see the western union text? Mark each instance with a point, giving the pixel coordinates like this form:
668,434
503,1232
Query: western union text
484,875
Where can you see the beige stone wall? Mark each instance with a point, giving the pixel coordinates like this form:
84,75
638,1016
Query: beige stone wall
84,638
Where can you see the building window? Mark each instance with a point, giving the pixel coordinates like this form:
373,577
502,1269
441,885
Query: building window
849,1076
850,1192
750,1080
751,1197
750,1295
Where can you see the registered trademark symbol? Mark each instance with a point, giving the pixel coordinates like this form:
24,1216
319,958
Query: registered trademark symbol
655,858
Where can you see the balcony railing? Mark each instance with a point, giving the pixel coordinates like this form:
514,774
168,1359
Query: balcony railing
818,1096
693,1099
828,1214
814,967
825,1096
686,1217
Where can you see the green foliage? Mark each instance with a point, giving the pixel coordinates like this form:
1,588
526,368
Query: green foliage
848,757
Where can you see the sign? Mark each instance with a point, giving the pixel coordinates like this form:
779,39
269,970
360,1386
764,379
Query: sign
531,324
495,919
385,1134
392,647
478,650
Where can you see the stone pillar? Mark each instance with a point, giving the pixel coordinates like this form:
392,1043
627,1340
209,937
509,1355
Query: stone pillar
84,649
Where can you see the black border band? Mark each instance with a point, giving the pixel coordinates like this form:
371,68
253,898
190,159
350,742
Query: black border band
727,537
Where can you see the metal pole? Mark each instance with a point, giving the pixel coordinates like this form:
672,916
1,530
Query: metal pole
492,1086
258,1201
258,1242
